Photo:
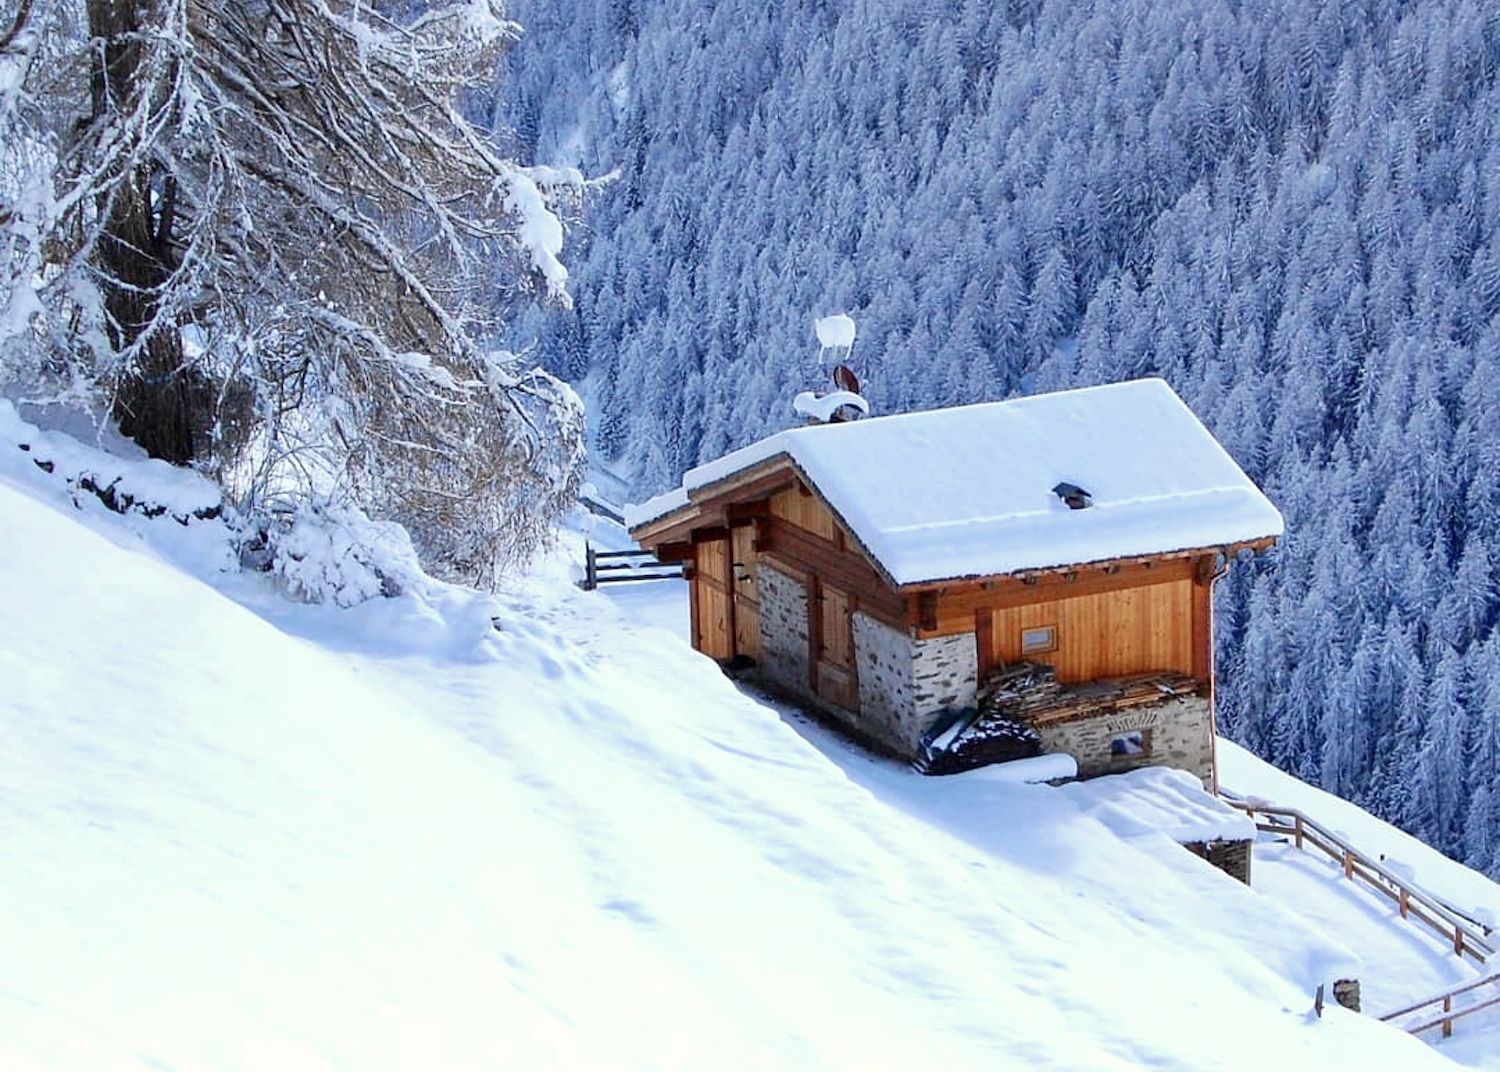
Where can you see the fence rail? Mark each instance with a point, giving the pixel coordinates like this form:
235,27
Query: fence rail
1449,1013
1466,937
609,567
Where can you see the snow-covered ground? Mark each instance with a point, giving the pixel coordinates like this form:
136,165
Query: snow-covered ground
1400,962
452,831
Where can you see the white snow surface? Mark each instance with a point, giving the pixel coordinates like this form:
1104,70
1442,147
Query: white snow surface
1160,800
455,831
967,491
836,330
822,407
1033,770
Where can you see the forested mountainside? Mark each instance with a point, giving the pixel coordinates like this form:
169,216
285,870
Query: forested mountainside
1290,209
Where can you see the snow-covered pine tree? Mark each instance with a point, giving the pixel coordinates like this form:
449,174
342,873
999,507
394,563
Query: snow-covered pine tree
278,212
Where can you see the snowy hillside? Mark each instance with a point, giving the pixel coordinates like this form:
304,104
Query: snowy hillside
446,831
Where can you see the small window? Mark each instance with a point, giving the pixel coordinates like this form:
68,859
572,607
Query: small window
1034,641
1131,745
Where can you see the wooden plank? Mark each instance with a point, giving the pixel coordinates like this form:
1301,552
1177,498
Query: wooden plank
713,609
1111,634
807,512
1457,1014
745,563
984,641
837,680
1203,629
956,606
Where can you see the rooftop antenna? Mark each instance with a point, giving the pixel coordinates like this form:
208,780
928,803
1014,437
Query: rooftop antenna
844,403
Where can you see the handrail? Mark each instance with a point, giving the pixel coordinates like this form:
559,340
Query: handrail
1412,901
606,567
1449,1013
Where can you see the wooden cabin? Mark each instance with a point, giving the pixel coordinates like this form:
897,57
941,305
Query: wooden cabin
889,571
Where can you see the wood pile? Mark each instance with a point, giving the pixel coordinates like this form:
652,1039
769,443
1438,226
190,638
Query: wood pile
990,738
1060,704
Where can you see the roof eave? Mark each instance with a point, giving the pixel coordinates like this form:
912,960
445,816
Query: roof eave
1258,545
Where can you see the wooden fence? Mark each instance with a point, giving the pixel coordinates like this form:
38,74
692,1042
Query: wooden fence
1467,938
609,567
1450,1012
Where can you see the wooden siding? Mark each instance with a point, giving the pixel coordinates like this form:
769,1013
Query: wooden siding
952,610
712,603
745,560
836,678
805,511
1107,634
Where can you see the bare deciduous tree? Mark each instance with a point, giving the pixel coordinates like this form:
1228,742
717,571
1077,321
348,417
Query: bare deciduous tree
267,232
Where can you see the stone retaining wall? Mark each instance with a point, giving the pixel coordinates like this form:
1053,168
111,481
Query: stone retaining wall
1180,736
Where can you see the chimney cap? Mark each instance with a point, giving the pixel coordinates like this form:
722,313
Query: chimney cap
1076,498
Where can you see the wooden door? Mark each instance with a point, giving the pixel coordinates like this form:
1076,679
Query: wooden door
713,606
834,677
746,592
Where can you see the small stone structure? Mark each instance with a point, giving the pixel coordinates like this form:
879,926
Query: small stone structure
1230,857
1159,800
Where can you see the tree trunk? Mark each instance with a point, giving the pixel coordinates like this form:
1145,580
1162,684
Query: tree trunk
153,400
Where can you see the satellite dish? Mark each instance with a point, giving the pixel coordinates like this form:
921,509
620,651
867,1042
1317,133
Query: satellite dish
845,380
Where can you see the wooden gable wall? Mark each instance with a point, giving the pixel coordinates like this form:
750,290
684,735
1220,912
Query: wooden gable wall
1154,615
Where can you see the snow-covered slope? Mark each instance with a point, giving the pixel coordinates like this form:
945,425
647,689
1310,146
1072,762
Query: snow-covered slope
241,833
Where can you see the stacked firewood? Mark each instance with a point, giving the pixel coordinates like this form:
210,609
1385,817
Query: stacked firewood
1094,697
1015,688
996,734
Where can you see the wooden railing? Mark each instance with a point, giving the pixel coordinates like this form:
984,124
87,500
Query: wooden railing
1466,937
608,567
1449,1013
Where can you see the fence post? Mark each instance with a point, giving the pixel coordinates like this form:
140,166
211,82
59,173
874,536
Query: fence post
1298,835
590,568
1403,900
1348,864
1458,941
1447,1021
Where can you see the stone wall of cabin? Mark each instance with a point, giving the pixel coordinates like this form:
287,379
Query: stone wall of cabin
883,660
904,684
1181,736
783,629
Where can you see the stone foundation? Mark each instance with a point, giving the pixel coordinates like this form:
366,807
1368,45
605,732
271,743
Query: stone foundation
1231,857
1179,731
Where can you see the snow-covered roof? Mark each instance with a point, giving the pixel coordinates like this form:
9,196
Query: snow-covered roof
1160,800
967,491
